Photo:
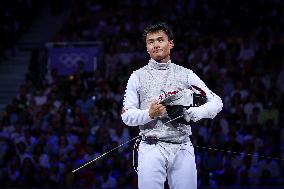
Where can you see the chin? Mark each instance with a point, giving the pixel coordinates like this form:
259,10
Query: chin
158,58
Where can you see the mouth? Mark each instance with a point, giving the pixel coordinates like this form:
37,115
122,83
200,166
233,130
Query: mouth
157,51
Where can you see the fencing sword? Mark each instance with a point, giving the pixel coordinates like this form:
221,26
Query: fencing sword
99,157
197,146
173,119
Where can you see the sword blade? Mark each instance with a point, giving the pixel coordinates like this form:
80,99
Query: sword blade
174,119
104,154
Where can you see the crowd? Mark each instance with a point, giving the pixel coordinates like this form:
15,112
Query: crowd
16,17
57,123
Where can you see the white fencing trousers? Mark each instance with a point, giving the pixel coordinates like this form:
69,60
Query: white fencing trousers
155,163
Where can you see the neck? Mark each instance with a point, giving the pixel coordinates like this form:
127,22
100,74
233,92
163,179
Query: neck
164,60
159,66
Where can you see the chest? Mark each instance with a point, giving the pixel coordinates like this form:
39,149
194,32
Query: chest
155,84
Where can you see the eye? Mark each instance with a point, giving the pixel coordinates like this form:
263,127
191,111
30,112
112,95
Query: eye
161,40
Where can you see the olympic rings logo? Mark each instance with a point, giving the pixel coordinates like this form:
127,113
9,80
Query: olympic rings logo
71,59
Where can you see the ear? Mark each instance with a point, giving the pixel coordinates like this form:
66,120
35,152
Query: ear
172,44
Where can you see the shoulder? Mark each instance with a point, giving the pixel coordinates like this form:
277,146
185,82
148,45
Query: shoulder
140,71
181,68
135,75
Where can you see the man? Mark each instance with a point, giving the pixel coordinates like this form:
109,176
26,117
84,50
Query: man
166,150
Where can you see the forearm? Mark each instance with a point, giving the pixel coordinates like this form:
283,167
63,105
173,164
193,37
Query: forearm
212,107
136,117
132,115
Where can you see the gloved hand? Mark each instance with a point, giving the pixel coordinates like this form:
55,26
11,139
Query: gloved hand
185,103
176,111
194,114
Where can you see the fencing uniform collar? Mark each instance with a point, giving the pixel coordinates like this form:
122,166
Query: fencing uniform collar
153,64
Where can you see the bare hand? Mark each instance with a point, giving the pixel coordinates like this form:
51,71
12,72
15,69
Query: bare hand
156,109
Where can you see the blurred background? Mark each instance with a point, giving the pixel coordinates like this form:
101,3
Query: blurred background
64,66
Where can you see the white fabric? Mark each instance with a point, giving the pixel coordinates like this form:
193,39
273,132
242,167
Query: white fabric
183,97
165,160
155,163
133,116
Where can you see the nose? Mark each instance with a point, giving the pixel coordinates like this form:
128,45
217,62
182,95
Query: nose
156,44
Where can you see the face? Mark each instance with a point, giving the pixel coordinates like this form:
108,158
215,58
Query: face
159,46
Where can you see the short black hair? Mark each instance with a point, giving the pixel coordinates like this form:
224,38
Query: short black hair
160,26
